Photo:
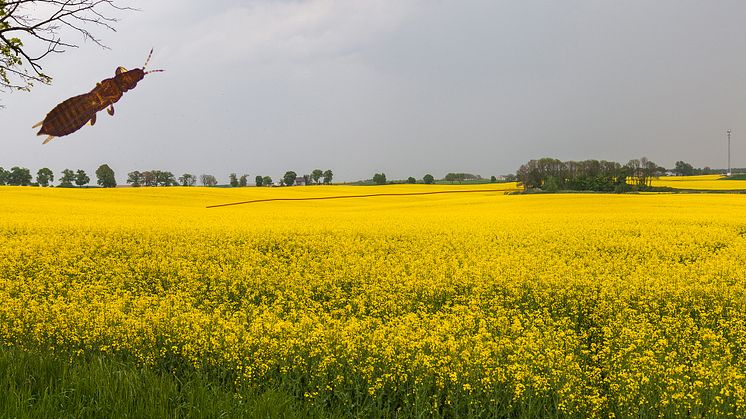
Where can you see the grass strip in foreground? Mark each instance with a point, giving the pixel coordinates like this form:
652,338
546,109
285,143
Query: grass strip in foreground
41,384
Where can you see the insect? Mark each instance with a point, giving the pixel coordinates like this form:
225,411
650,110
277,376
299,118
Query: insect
70,115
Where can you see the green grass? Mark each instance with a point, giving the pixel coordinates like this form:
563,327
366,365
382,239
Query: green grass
42,384
39,384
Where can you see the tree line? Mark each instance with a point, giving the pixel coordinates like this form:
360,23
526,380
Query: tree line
547,174
589,175
166,178
683,168
21,176
428,179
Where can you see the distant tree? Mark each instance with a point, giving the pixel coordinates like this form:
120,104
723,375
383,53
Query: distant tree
153,178
529,176
44,177
187,179
149,178
646,171
105,176
683,169
267,181
67,179
19,176
233,180
243,181
493,179
328,176
81,178
460,177
307,179
208,180
259,181
164,178
642,171
428,179
135,178
289,178
635,171
379,178
510,177
4,175
316,175
411,180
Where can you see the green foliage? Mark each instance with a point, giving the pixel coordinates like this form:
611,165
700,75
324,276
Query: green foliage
187,179
67,179
379,178
19,176
289,178
552,184
259,181
159,178
44,177
411,180
316,175
81,178
428,179
243,181
135,178
105,176
164,178
683,169
267,181
4,175
589,175
460,177
233,180
328,175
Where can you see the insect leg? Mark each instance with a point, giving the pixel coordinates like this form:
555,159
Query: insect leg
50,138
92,122
110,110
38,124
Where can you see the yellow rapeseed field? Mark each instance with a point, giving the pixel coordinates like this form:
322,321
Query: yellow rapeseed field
702,182
479,303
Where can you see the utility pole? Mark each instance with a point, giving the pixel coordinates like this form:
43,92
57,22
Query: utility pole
729,153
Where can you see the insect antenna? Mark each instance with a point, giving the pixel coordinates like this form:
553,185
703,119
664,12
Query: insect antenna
148,60
146,64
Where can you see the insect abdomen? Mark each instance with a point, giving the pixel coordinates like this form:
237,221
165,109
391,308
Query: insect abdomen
69,116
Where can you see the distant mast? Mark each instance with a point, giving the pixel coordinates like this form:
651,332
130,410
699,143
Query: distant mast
729,173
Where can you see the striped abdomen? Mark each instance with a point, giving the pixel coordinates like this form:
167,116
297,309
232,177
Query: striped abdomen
70,115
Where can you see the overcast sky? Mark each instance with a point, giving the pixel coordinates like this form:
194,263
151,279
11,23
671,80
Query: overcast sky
406,87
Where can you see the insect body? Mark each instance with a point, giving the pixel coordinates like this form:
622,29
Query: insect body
70,115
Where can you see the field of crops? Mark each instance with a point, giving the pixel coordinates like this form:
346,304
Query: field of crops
703,182
455,304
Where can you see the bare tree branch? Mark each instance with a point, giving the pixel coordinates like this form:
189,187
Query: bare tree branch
30,30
